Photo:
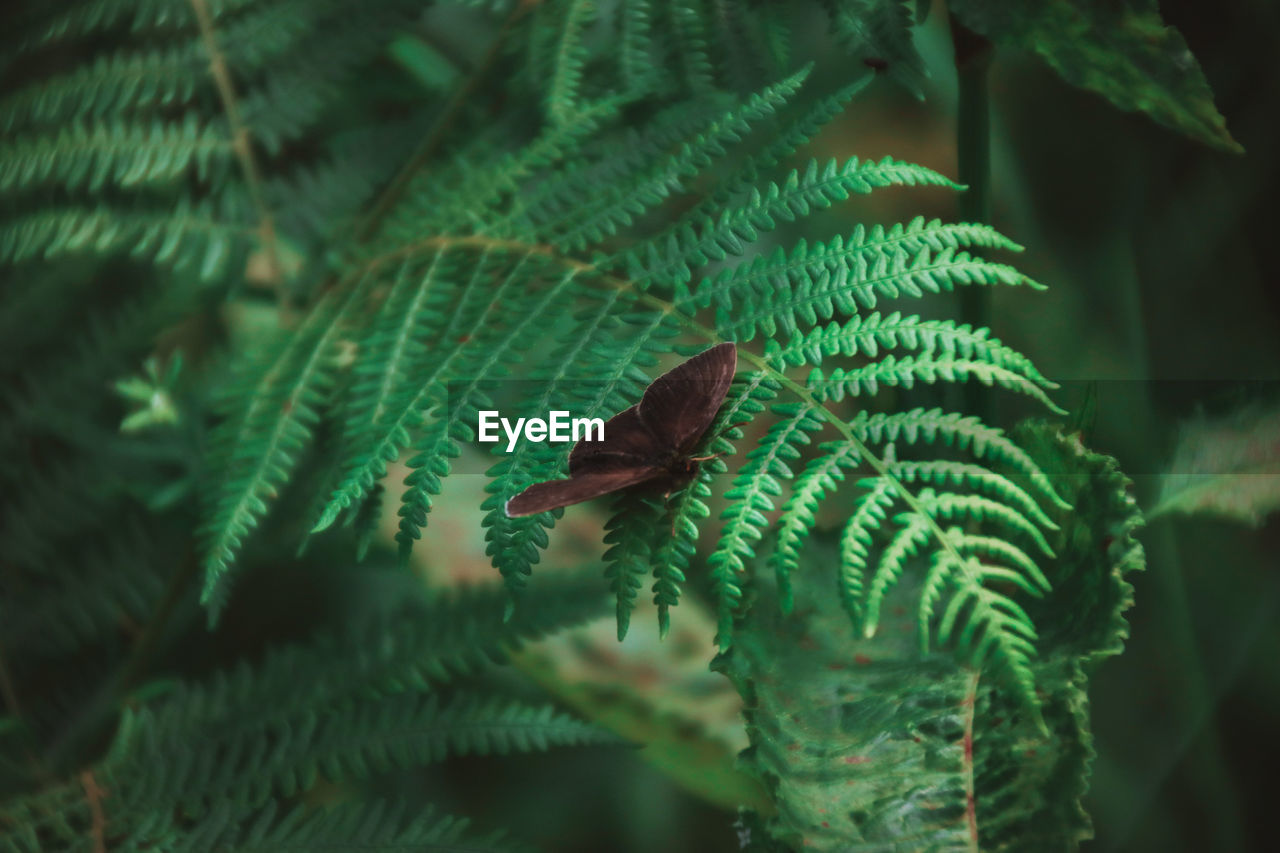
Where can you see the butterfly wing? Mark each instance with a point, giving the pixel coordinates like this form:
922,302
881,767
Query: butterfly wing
627,443
682,403
670,418
541,497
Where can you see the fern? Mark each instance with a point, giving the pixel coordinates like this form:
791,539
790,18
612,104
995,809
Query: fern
870,726
438,323
158,120
638,197
220,756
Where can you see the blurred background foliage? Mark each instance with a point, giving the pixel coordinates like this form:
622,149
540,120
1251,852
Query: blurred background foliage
1164,310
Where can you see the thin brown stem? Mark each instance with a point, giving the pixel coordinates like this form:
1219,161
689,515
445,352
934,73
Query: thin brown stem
240,141
94,794
970,796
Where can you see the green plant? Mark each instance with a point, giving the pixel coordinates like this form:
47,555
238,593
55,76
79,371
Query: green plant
211,155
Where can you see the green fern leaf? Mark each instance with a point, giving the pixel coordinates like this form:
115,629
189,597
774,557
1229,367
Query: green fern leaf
600,216
823,474
749,498
95,156
954,430
570,60
628,532
928,368
263,442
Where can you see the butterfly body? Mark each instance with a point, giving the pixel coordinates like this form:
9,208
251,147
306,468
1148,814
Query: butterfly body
651,443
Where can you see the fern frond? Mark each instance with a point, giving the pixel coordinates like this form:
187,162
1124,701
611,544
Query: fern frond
950,506
318,202
867,334
636,48
994,626
263,442
429,644
421,289
85,19
823,474
343,827
288,102
602,214
929,368
85,595
401,404
147,75
786,293
628,533
117,154
692,49
204,235
750,498
664,257
110,86
870,514
199,758
940,472
607,160
208,763
796,197
570,60
672,553
916,529
879,30
471,199
963,432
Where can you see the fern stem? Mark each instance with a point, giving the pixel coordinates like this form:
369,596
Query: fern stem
440,129
973,55
970,801
93,793
240,140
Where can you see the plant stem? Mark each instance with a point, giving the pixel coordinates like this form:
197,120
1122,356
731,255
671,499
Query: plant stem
973,56
240,141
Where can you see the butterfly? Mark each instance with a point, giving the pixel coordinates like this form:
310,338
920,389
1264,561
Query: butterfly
651,442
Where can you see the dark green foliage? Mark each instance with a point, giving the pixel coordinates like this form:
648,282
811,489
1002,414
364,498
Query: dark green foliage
1123,50
525,271
638,197
135,150
215,757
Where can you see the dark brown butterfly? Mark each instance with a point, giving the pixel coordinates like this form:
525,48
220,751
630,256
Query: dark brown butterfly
650,442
